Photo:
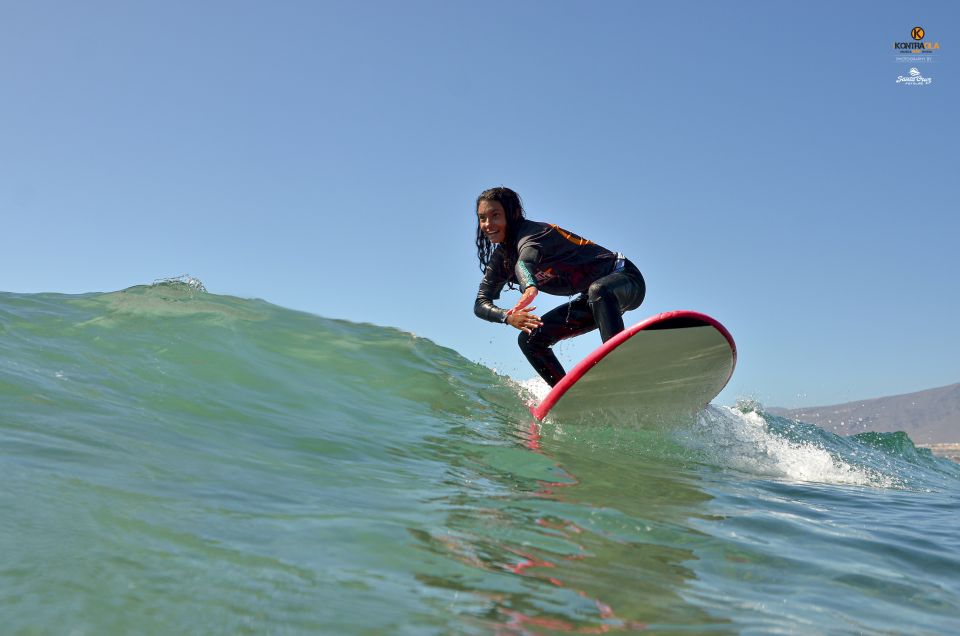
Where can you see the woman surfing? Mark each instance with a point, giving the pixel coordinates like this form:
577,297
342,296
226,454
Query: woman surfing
533,257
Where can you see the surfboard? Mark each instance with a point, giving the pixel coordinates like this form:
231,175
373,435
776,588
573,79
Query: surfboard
667,366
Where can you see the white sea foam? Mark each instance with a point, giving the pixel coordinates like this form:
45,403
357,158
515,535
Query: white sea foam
745,442
535,387
531,391
183,280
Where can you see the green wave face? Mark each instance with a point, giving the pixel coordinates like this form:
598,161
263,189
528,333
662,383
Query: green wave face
176,461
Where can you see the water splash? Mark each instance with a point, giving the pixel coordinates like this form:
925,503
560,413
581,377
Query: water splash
533,390
183,281
745,441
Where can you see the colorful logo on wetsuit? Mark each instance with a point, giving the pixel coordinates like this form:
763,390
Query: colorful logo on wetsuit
545,275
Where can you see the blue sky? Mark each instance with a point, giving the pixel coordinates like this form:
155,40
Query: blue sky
757,161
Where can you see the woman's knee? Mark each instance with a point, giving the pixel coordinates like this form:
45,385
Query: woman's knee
522,339
626,292
596,291
540,339
527,343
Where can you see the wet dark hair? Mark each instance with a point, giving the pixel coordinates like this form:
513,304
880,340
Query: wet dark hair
513,209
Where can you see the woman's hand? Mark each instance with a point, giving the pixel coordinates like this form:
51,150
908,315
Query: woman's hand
528,295
524,319
520,316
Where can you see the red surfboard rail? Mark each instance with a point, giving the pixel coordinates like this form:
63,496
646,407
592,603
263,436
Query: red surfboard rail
540,411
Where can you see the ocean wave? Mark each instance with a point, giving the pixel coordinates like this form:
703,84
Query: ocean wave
204,463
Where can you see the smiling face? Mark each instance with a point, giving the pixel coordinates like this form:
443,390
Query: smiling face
493,221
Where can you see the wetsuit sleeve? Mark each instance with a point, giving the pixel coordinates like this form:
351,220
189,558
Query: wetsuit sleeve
490,288
526,266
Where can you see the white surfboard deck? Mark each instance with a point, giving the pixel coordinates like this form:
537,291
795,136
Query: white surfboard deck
670,365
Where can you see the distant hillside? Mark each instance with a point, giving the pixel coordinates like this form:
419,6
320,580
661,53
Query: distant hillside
928,417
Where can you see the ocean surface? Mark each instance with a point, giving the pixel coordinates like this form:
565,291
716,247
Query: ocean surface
178,462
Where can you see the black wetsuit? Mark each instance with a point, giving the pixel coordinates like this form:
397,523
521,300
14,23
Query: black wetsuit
559,262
